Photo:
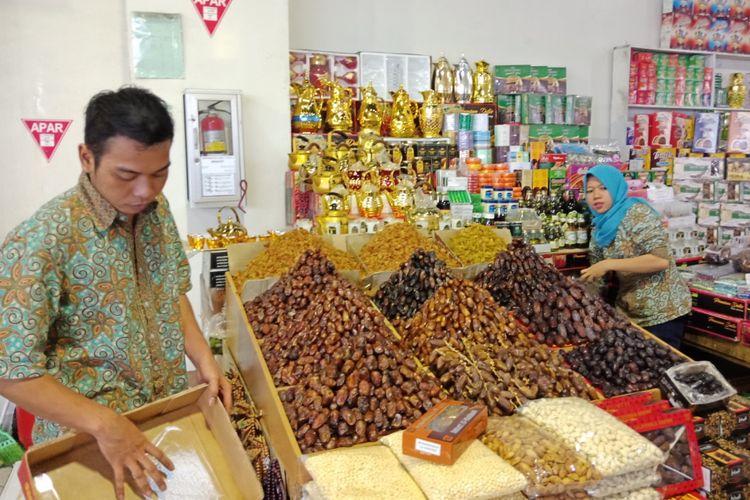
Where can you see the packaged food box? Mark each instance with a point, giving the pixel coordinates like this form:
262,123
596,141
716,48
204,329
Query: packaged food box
660,129
538,79
557,81
209,459
698,168
582,110
554,109
734,215
513,79
706,138
738,169
532,109
444,432
739,132
696,385
725,327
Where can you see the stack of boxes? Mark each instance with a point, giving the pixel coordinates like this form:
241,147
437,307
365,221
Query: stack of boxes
535,96
669,79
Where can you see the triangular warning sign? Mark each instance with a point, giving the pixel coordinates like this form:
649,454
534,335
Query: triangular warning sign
211,12
47,133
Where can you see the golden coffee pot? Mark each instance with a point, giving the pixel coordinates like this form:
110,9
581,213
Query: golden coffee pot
442,79
431,114
300,155
369,200
482,83
403,113
306,116
737,91
371,111
229,232
401,198
339,108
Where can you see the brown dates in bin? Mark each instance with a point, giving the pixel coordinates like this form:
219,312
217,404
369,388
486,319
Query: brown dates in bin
339,364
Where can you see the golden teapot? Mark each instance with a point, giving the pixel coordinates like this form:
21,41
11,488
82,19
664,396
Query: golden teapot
403,113
229,232
431,114
371,111
335,203
306,116
301,156
369,200
327,175
482,83
339,108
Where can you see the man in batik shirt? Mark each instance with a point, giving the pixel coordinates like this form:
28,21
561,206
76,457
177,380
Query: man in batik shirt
94,320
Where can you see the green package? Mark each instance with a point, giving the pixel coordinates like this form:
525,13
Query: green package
532,109
538,79
542,132
557,81
512,79
554,109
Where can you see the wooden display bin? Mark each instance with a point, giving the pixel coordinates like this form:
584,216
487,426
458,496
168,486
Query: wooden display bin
247,354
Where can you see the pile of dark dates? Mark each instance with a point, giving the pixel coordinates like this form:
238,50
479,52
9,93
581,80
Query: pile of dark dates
622,360
703,383
479,354
556,308
342,378
407,289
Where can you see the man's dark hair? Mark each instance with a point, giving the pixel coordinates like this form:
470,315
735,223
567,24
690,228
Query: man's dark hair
131,112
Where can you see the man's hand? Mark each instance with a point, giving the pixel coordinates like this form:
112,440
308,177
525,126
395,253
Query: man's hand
128,450
596,271
210,373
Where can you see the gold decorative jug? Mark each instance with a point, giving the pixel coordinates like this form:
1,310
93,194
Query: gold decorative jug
442,79
482,83
339,108
356,176
369,202
737,91
402,198
306,116
335,203
371,111
403,113
431,114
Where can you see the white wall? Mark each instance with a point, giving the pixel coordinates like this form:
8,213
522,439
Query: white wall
57,53
578,34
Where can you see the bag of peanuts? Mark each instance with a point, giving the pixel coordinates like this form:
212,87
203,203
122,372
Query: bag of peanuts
358,473
613,448
477,474
551,467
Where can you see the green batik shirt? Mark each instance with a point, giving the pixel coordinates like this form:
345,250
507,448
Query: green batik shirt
647,298
93,301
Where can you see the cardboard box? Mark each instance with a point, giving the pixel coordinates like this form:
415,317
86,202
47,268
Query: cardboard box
512,79
715,324
445,431
538,79
203,446
728,306
738,169
557,81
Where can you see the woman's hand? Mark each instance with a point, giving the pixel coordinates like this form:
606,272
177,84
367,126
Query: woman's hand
596,271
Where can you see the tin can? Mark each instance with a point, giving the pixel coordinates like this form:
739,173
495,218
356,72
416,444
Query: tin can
489,207
465,140
480,121
516,230
464,122
450,122
488,193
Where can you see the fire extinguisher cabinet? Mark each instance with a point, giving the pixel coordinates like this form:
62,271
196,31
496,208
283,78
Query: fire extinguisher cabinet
213,139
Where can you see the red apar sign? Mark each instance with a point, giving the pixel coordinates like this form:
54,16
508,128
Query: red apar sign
211,12
47,133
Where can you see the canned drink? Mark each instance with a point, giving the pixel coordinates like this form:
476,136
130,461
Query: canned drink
450,122
484,154
480,122
464,122
465,141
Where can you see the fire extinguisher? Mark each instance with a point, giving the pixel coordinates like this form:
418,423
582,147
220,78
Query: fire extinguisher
213,132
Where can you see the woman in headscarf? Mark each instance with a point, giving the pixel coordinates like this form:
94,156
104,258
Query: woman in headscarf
628,239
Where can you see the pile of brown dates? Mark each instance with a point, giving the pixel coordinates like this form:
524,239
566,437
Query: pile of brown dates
406,290
479,354
622,360
343,379
558,309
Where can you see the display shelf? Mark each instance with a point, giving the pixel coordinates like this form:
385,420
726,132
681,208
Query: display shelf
735,352
621,111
